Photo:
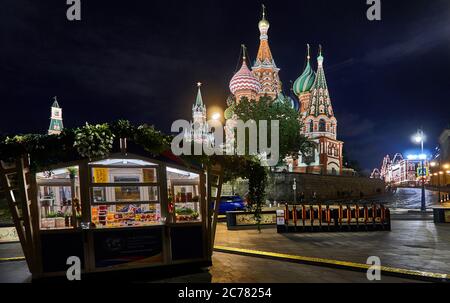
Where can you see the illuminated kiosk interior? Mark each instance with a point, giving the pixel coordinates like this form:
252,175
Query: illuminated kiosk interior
122,212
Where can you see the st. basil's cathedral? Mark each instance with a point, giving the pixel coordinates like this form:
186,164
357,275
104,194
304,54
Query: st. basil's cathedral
308,95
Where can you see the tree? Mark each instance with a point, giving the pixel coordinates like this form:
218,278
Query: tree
291,142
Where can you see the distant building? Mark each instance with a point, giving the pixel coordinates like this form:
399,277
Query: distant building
375,174
400,171
199,130
56,121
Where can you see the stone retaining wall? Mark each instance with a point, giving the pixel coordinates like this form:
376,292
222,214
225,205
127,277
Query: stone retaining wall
326,187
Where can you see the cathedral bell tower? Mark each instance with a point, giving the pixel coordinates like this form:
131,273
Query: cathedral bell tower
265,69
319,122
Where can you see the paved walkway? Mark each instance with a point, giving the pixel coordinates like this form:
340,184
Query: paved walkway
416,245
229,268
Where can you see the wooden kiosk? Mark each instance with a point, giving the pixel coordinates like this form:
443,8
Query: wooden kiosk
126,211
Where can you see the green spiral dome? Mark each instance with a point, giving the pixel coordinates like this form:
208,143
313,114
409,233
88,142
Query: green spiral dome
305,81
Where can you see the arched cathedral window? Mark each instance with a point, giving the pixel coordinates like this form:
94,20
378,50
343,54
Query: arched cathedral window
322,125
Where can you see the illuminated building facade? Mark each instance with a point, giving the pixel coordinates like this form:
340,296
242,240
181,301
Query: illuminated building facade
319,122
399,171
199,130
56,121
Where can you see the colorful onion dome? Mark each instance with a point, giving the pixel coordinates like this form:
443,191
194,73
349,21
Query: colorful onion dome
244,80
229,112
306,79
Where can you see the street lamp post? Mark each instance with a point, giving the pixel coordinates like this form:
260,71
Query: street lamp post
419,138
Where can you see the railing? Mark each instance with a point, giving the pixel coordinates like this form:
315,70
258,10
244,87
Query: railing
333,218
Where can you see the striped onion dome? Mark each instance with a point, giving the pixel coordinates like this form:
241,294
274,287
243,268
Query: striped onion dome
244,80
305,81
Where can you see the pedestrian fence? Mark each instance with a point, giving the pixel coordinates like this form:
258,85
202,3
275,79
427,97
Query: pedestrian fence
333,218
444,197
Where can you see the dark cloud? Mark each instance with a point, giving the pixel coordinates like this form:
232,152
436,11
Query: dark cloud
429,34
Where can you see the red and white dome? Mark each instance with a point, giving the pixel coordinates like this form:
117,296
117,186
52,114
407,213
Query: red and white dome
244,80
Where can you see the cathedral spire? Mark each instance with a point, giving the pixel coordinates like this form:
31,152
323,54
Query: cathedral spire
199,99
199,126
264,53
320,99
264,63
320,57
263,25
55,102
244,51
320,81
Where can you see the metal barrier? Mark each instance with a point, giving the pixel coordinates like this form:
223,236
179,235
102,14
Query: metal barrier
333,218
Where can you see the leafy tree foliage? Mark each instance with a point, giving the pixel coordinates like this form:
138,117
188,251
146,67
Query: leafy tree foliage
290,140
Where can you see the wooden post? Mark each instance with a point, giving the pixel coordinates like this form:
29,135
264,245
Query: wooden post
216,202
164,207
20,206
35,214
85,203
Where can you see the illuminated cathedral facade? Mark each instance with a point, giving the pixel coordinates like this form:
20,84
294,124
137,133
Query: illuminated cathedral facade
308,95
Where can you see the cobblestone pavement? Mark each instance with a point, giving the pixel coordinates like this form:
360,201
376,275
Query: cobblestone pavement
417,245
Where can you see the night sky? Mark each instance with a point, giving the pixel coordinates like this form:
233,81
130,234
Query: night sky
141,60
